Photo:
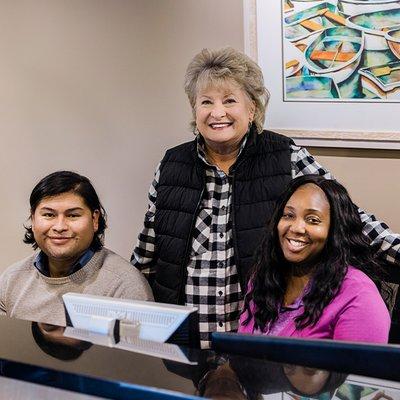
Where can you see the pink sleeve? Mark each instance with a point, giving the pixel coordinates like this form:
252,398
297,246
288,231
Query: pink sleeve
365,317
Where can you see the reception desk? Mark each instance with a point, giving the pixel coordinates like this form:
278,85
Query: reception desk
47,362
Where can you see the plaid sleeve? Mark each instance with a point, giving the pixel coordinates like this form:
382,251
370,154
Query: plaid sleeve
303,163
144,251
381,235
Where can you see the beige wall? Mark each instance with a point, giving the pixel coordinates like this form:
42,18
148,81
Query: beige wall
371,176
96,86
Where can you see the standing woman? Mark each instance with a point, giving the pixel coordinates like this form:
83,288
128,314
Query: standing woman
211,197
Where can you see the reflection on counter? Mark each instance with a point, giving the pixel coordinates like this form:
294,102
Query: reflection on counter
221,377
129,340
51,339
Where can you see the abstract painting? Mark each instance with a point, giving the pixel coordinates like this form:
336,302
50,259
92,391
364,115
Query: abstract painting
341,50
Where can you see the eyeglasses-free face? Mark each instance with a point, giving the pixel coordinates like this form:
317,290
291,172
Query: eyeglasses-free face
304,226
64,227
223,113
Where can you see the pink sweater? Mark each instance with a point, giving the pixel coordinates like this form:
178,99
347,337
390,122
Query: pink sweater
357,313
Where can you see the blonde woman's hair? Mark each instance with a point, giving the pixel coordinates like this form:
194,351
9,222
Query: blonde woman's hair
212,67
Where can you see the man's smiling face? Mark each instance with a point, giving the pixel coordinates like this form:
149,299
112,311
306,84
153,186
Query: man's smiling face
64,227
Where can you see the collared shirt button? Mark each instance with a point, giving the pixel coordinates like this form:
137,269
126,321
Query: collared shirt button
221,324
220,292
221,235
223,208
220,264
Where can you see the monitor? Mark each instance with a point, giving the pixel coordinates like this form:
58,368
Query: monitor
368,359
101,314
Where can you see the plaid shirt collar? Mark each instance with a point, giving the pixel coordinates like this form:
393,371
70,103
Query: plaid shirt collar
42,265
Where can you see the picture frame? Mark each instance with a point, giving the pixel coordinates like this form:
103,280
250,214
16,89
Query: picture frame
371,124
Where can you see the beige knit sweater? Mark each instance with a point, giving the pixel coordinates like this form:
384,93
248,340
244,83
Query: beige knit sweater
25,293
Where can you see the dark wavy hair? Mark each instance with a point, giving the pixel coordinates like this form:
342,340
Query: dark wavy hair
346,245
67,182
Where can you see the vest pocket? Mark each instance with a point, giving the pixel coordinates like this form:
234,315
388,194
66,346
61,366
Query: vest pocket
202,232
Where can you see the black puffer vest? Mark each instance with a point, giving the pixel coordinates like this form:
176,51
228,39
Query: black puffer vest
260,175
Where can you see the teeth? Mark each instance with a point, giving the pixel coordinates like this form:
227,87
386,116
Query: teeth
296,243
221,125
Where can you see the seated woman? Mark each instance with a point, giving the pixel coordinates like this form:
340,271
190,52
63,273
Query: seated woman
313,273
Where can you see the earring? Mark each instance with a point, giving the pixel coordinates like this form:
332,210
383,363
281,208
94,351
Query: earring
196,131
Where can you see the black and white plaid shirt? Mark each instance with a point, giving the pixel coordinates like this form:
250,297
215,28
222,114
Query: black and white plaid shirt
212,281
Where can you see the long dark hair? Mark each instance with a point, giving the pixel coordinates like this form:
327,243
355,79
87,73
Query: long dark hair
64,182
346,245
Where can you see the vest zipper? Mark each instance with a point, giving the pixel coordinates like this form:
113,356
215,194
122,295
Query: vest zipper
233,213
183,276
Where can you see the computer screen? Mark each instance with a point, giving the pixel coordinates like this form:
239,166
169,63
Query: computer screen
370,359
101,314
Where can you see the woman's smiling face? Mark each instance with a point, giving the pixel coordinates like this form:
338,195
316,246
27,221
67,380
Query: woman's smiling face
223,113
304,226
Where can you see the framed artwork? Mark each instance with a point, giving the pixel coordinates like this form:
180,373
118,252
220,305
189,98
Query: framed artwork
332,68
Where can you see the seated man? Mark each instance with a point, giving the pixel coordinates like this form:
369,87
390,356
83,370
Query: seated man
67,225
